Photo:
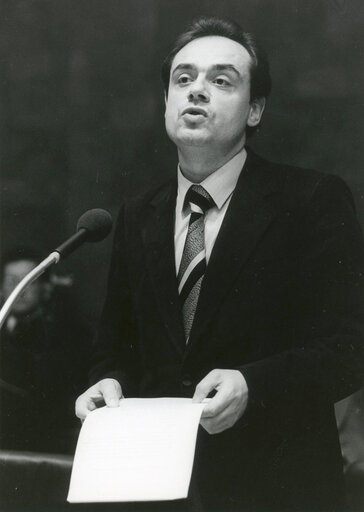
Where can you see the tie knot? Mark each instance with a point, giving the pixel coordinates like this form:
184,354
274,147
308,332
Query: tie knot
199,199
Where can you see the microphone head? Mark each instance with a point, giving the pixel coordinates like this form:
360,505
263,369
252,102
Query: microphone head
97,223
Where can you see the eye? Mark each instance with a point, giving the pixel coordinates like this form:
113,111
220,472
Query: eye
184,79
222,81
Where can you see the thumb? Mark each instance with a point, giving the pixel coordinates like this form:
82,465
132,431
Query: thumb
111,391
205,386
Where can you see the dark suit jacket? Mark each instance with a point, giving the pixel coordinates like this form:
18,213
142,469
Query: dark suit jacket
281,301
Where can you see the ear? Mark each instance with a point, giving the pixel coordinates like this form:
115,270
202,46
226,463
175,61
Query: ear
256,111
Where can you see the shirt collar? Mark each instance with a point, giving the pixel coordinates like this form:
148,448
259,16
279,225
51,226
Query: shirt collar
220,184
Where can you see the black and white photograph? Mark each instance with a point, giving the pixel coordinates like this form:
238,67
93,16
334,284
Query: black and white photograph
181,255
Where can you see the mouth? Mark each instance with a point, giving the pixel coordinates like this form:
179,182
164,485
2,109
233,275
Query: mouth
195,111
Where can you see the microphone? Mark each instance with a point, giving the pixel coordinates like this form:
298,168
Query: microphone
93,226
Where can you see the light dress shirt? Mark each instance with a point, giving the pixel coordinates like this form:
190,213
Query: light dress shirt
220,185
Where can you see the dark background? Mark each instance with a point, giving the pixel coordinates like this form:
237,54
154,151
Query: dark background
81,107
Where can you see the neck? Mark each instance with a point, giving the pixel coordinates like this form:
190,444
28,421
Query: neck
198,163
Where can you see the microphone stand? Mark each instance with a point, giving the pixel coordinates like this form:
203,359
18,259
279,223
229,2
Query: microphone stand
53,258
93,226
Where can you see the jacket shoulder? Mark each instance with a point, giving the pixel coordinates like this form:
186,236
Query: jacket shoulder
301,183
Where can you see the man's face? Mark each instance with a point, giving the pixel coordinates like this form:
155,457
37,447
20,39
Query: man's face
208,100
13,274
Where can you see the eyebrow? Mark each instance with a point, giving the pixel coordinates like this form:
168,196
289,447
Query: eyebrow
215,67
226,67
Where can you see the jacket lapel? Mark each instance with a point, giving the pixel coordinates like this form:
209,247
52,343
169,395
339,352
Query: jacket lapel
158,236
251,210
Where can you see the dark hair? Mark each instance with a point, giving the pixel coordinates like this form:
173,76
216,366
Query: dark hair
260,80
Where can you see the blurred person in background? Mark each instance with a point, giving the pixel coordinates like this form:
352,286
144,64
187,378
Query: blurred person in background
43,357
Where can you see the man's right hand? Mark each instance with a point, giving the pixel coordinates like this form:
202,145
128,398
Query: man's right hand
105,392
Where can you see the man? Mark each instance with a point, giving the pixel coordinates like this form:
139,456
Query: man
38,362
246,287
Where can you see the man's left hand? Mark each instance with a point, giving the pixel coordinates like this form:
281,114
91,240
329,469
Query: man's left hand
229,403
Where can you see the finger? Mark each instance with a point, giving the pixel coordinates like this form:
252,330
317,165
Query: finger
216,425
231,393
84,405
221,401
220,422
206,385
111,391
210,427
211,411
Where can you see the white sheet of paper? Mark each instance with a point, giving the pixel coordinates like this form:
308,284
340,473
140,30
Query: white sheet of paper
142,450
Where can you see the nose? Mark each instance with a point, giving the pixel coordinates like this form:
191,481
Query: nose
198,92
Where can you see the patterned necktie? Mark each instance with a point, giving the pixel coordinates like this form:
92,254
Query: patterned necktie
193,262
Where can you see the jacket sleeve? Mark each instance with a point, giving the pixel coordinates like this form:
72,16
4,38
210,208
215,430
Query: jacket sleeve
327,364
114,351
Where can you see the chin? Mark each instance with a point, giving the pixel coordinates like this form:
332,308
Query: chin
193,142
193,138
